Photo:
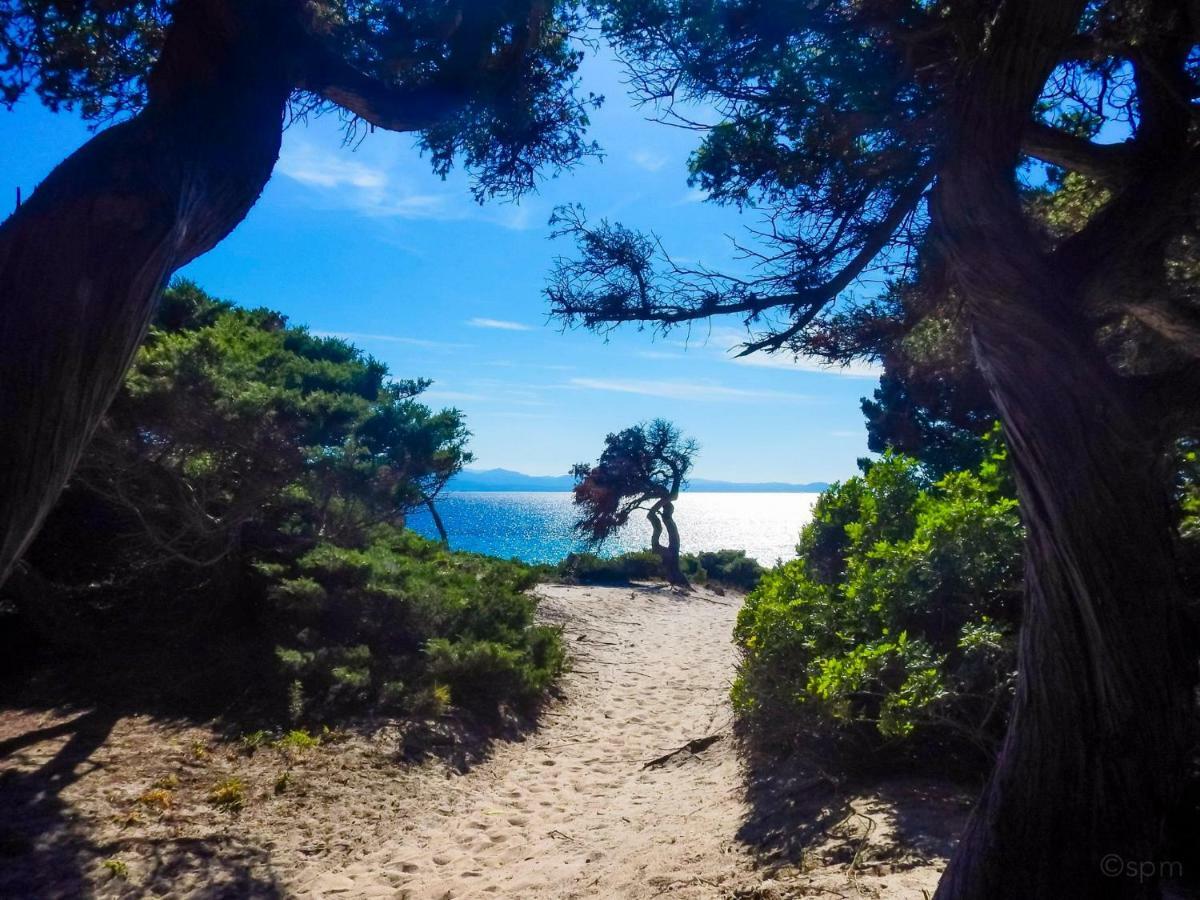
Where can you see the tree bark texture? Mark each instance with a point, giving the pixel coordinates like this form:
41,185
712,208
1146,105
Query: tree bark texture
656,530
670,553
84,261
1101,722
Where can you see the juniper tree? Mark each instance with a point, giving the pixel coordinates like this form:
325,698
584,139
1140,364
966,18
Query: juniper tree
643,467
202,90
873,135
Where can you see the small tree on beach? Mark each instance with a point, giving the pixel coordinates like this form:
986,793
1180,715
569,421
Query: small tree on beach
643,467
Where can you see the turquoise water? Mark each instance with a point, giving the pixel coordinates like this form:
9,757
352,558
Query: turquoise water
536,527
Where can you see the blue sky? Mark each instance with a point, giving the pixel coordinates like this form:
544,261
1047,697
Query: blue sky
366,243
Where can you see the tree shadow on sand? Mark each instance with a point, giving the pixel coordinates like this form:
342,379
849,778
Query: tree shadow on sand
45,846
802,816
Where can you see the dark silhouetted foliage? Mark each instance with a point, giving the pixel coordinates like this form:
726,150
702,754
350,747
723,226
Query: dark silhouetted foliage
641,468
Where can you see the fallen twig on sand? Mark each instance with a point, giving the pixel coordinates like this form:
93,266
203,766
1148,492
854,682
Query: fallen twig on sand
586,639
694,746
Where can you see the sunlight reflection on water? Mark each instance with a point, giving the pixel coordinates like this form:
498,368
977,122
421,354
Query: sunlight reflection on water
536,527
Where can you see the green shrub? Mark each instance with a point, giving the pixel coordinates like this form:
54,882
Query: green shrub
727,567
255,739
400,614
897,620
481,675
296,740
588,568
229,795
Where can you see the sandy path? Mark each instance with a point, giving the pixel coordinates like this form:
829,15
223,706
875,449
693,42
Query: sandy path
573,811
570,811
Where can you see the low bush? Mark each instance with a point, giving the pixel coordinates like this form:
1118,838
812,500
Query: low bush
726,567
382,625
588,568
897,621
731,568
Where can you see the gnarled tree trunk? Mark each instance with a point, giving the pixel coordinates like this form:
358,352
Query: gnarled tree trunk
84,261
661,516
1100,725
656,529
670,553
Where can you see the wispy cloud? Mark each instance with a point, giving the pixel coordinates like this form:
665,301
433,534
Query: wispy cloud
372,190
340,179
308,166
391,339
680,390
807,364
729,341
500,324
650,160
513,216
725,343
846,434
658,354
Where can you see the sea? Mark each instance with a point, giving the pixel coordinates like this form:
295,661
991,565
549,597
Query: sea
536,526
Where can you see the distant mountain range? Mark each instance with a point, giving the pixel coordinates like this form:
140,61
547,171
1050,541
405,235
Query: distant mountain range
508,480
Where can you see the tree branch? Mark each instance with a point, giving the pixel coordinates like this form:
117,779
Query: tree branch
328,75
1104,162
614,281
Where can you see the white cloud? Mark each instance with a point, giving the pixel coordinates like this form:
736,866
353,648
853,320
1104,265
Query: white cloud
650,160
807,364
679,390
381,186
732,340
500,324
343,181
306,164
512,216
846,434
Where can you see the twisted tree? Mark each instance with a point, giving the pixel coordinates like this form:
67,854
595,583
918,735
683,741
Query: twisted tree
879,135
643,467
205,88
